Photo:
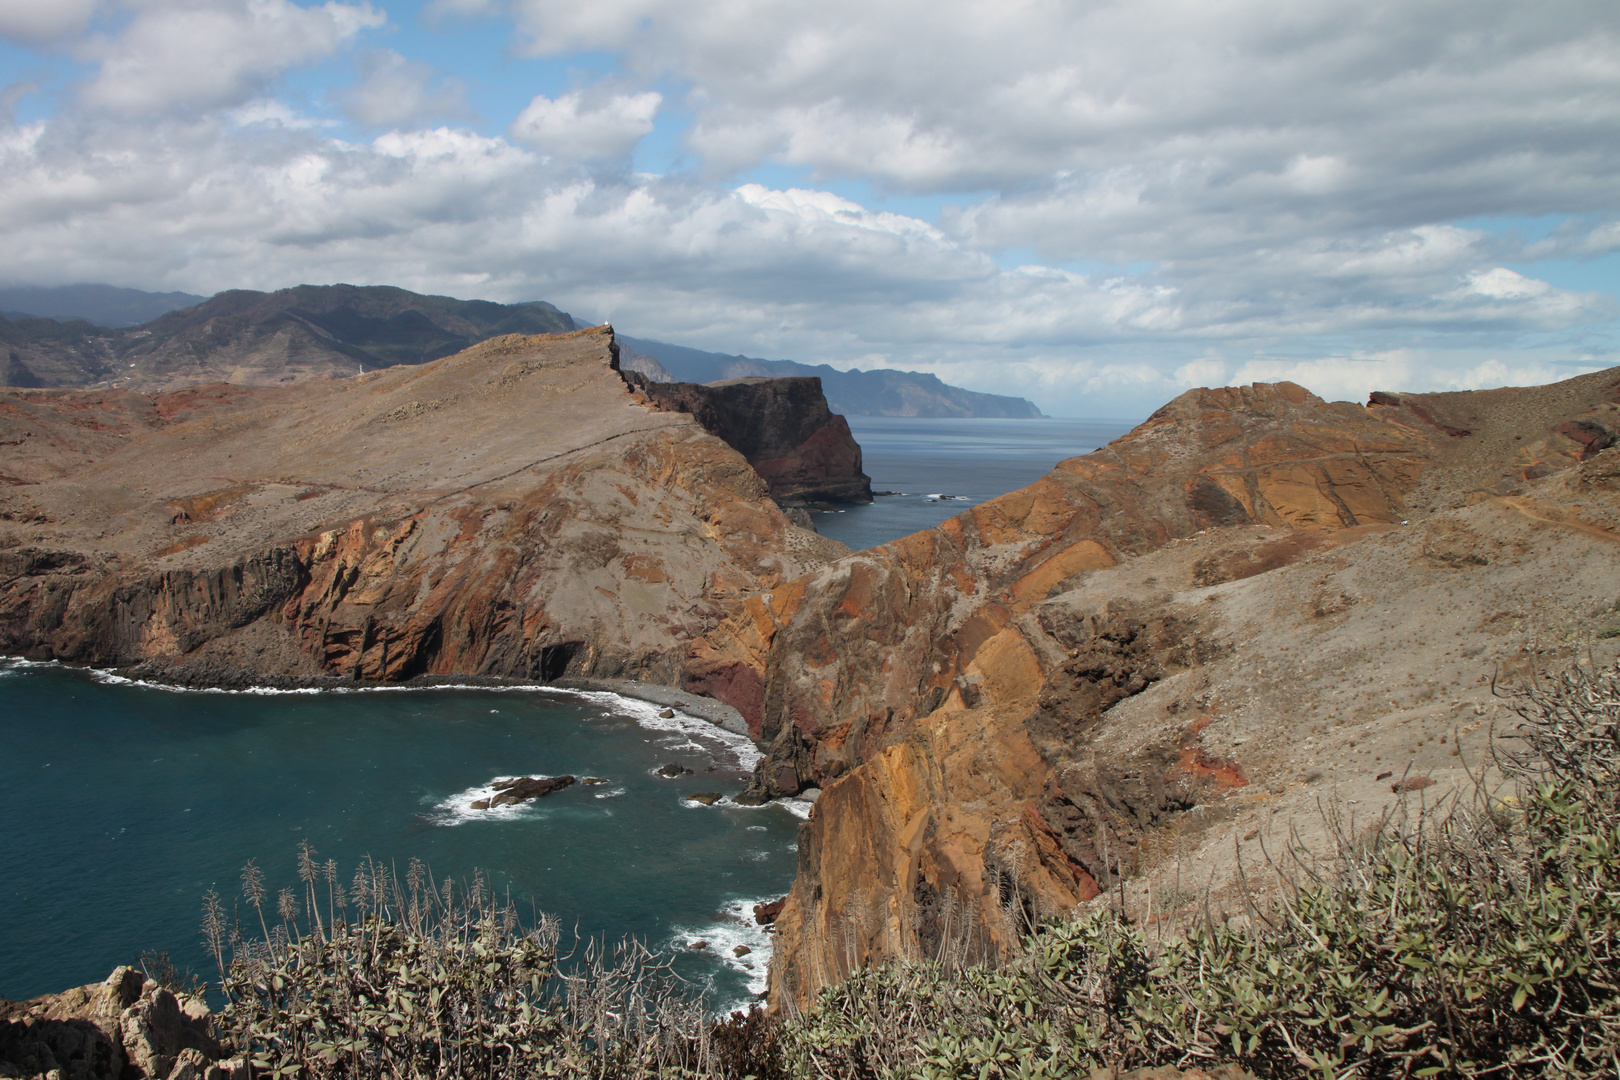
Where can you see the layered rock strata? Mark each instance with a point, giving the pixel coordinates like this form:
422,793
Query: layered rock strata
802,449
509,511
1074,687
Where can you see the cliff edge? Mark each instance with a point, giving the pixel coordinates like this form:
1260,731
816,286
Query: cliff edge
508,511
783,426
1142,669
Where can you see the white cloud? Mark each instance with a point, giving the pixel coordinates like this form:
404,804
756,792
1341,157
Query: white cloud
575,125
209,54
34,22
394,91
1193,190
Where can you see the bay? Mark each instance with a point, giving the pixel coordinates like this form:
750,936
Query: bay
941,467
123,803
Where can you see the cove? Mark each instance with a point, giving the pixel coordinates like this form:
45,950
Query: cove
124,802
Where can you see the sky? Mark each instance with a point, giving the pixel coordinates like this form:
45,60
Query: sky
1093,204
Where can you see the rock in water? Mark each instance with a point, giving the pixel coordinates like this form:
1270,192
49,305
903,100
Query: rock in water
672,770
524,788
765,914
707,798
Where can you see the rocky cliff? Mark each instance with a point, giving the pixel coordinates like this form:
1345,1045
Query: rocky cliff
802,449
126,1028
513,510
1163,653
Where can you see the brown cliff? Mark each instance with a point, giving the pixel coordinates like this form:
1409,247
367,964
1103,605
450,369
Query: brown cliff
1141,657
802,449
508,511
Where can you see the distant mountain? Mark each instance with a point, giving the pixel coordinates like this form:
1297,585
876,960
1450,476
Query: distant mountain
78,335
256,338
47,352
103,305
879,392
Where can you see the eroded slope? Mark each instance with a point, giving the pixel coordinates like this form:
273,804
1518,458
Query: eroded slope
1246,597
513,510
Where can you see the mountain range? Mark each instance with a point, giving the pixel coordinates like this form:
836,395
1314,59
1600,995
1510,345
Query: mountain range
99,335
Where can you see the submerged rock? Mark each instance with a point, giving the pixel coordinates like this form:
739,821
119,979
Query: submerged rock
672,770
594,780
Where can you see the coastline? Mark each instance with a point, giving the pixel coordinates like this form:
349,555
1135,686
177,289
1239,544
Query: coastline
237,681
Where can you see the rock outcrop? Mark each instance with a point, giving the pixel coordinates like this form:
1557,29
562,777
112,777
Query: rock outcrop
509,511
802,449
1051,695
126,1028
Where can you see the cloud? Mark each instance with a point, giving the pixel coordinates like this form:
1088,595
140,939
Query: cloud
34,22
587,127
396,92
212,54
1134,195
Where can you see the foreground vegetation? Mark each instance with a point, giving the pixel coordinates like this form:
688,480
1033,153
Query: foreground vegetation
1474,939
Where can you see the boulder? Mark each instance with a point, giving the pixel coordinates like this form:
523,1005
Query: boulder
524,788
766,913
707,798
124,1027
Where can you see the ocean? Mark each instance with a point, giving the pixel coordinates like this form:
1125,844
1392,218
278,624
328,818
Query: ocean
123,803
937,468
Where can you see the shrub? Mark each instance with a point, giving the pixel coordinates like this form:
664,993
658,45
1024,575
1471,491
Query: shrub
1477,941
439,981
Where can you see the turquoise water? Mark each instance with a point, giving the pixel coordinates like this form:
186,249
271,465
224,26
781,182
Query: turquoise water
123,803
942,467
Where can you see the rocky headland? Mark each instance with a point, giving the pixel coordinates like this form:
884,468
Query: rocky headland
1165,655
801,448
516,510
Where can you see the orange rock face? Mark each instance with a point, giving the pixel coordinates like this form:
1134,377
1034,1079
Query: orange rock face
508,511
944,700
